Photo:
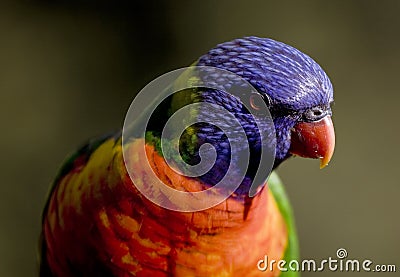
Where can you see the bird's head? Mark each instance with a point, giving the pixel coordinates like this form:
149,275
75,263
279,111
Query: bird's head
293,86
296,89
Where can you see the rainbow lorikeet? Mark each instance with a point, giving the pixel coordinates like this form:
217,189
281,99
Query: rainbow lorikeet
97,223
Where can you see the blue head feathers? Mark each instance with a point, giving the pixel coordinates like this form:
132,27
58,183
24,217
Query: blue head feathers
293,82
289,77
294,86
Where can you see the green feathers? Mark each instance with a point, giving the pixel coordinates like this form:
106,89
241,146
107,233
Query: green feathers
292,250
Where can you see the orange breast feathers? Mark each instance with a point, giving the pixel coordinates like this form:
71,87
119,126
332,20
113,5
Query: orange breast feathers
98,223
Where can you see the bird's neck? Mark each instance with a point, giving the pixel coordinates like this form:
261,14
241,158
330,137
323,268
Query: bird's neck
212,128
233,212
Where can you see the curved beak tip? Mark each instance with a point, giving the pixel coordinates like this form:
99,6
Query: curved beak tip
324,161
314,140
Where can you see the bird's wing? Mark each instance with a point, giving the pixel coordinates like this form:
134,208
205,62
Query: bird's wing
76,159
279,193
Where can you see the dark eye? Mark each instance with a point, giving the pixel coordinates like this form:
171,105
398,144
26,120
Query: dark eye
314,114
258,101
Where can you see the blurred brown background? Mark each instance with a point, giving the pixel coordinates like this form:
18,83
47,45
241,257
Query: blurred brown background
69,70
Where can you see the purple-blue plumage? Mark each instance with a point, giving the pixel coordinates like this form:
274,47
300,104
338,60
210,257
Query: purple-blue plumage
297,87
291,78
293,85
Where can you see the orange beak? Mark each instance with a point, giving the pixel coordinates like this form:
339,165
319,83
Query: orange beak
314,140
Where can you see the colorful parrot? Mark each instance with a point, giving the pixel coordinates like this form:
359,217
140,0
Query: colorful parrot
97,223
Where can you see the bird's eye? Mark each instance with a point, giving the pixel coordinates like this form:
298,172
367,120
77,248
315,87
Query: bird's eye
256,101
314,114
259,102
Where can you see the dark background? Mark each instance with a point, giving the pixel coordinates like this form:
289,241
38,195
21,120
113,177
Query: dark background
69,70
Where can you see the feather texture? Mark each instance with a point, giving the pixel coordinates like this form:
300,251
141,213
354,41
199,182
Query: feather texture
97,224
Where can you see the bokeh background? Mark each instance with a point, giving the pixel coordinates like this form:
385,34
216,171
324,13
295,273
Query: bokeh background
69,70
